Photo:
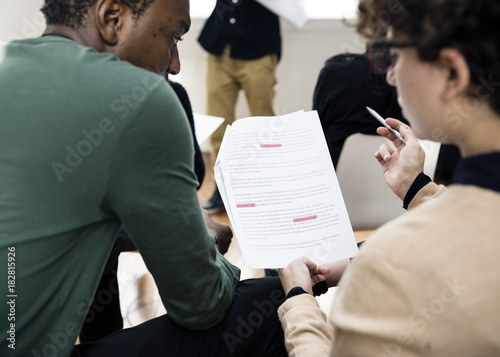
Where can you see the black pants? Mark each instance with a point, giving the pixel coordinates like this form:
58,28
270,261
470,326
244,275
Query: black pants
250,328
104,316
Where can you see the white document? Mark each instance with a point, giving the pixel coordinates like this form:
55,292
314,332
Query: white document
205,125
289,10
281,193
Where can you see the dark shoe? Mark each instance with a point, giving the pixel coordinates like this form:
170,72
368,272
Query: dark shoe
214,204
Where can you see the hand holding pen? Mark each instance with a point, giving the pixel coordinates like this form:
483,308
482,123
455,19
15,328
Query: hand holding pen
382,121
402,163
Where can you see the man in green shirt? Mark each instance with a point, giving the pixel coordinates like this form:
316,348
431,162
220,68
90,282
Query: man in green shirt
85,146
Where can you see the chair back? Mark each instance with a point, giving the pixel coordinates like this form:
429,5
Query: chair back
369,201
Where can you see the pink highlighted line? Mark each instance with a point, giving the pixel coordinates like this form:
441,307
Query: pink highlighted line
265,146
245,205
303,219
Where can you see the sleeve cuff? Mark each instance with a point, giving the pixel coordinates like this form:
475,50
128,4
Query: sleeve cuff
320,288
295,291
420,181
303,301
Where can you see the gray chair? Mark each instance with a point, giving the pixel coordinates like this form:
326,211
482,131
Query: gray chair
369,201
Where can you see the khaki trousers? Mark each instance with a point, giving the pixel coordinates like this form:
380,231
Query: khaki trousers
226,76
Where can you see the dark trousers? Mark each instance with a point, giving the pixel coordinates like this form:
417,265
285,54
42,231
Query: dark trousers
104,316
250,328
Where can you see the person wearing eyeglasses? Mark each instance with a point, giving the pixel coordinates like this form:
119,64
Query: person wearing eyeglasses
346,85
424,284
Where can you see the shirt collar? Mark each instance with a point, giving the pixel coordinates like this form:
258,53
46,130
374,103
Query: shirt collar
481,170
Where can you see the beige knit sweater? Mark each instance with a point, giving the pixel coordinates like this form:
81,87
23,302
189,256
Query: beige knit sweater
425,284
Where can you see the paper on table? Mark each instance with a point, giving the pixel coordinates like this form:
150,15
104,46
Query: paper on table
288,10
205,125
281,193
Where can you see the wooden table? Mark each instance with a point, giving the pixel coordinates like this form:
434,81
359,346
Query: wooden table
362,235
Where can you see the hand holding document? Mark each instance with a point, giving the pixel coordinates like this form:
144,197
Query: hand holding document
281,193
289,10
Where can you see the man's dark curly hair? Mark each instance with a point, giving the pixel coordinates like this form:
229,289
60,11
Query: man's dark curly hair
72,12
470,26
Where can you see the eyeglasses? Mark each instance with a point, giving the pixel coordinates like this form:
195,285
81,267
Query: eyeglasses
380,56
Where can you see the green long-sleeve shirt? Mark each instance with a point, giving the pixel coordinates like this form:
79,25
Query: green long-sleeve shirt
88,142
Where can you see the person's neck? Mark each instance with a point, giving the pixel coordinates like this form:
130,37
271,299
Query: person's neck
79,35
482,132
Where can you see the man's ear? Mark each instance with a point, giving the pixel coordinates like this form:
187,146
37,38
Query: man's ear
109,19
458,72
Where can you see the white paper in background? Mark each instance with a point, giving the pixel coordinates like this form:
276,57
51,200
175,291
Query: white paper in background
205,125
281,192
288,10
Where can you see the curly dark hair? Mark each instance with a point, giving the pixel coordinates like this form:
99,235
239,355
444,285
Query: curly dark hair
72,12
470,26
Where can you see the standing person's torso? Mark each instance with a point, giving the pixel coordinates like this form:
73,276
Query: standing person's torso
251,30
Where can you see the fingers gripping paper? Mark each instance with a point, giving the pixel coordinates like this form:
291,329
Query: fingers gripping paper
281,193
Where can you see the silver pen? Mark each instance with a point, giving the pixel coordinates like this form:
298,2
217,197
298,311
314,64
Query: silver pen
382,121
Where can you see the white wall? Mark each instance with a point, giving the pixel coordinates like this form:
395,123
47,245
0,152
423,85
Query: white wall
20,19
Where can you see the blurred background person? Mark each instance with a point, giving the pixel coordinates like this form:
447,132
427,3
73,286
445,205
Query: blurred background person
243,42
